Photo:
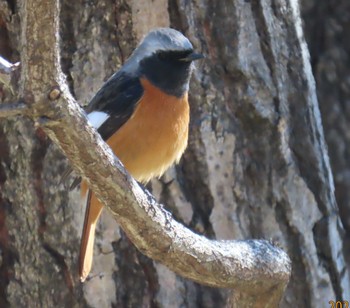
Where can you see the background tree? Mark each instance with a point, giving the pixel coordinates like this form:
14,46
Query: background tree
327,31
256,165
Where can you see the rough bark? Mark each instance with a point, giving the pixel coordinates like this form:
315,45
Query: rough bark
256,166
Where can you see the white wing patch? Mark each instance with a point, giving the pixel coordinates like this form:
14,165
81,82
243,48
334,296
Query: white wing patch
97,118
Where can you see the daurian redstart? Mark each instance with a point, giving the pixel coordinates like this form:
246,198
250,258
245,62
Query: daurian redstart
142,112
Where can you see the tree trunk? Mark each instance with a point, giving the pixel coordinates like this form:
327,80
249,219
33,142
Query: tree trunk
327,32
256,164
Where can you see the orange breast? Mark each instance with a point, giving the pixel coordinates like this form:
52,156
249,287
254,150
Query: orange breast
155,136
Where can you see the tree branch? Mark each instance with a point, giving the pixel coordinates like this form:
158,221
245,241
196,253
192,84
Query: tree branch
257,270
7,67
13,109
6,72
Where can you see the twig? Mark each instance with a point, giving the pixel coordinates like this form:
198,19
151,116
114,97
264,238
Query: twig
6,67
13,109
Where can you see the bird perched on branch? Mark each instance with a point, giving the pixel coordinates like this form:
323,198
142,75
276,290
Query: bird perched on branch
142,113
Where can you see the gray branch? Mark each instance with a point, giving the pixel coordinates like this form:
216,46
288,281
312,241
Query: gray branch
13,109
7,67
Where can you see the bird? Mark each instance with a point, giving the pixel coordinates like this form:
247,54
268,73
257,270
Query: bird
142,113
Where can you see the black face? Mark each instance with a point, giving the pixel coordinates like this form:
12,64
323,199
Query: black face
168,70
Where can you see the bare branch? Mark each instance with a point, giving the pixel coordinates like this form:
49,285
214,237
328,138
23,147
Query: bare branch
253,265
13,109
6,72
258,270
7,67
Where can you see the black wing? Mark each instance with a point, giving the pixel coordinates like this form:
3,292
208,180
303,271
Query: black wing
118,97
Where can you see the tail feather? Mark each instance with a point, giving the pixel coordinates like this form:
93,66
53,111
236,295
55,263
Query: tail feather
92,213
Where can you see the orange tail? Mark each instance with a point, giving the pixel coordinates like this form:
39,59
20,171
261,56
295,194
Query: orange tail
92,213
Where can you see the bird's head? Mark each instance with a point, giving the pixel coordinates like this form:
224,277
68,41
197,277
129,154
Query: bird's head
165,58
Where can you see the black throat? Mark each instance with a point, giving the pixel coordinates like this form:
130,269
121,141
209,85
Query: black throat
167,71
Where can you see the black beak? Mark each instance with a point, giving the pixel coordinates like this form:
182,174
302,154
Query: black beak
192,57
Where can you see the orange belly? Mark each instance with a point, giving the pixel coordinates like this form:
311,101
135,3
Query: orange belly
155,136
